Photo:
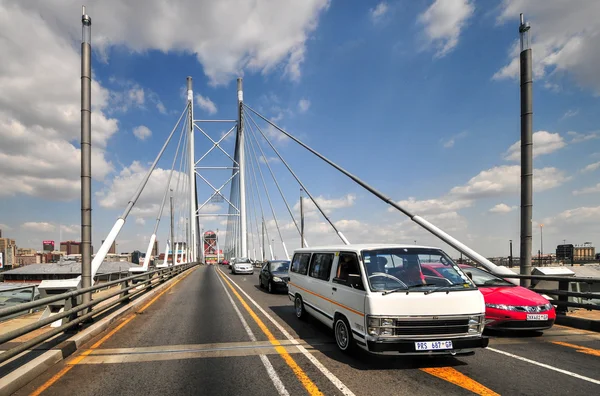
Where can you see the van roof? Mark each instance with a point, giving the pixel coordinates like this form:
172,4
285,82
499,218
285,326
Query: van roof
363,246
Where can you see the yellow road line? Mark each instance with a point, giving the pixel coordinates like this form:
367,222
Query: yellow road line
300,374
85,353
579,348
457,378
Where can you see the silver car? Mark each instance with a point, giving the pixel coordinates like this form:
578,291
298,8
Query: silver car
242,265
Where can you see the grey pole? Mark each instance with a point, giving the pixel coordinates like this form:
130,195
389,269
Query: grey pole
526,151
263,240
510,257
242,174
86,154
301,219
172,236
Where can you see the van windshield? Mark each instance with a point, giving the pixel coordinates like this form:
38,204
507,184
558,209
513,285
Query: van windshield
412,269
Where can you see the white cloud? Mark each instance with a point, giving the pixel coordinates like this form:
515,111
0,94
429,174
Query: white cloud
226,36
270,160
505,180
432,206
443,22
70,229
376,14
40,133
591,167
206,104
142,132
588,190
327,204
564,40
570,113
117,194
450,142
5,227
583,216
543,143
503,208
304,105
140,221
33,226
577,137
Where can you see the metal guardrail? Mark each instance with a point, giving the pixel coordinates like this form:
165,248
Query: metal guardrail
563,293
145,281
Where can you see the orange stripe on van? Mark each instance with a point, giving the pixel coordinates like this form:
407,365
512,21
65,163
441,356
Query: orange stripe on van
327,299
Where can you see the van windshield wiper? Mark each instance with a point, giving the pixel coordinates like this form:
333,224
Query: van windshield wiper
396,290
443,288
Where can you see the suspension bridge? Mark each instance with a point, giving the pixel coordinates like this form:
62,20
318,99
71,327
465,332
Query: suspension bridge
192,328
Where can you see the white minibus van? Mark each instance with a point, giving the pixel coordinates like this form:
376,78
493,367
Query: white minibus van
376,297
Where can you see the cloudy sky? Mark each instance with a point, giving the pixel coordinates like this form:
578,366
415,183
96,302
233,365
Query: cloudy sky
418,98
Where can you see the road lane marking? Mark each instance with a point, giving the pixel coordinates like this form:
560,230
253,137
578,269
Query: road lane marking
579,348
308,384
455,377
82,356
268,366
581,377
330,376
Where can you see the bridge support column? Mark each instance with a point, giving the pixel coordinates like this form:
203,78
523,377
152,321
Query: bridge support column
192,243
242,164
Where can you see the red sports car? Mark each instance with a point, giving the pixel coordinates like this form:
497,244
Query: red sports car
507,306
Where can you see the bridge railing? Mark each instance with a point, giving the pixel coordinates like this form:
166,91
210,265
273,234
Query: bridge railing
563,293
75,313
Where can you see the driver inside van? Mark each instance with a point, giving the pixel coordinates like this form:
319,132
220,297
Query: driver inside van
411,273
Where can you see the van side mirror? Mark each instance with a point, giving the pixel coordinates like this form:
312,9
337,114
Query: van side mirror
355,281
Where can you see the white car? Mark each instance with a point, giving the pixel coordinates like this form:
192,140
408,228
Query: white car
242,265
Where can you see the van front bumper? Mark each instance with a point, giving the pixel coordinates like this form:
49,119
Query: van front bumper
460,345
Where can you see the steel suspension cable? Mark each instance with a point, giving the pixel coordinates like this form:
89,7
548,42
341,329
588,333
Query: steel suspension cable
341,236
274,179
255,158
262,212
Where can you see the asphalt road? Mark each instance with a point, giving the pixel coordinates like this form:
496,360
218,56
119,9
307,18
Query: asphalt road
220,334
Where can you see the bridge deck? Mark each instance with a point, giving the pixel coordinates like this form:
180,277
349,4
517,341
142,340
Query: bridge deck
191,340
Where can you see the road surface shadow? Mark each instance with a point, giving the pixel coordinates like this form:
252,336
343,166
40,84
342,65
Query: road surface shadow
513,334
313,332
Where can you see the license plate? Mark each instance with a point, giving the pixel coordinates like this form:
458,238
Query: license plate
537,317
432,345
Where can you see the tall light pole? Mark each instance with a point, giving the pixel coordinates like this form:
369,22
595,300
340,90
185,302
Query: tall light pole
86,154
526,151
510,257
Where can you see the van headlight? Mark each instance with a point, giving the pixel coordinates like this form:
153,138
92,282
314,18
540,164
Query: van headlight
476,324
380,326
277,279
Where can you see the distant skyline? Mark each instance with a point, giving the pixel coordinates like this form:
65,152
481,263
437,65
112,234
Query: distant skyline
418,98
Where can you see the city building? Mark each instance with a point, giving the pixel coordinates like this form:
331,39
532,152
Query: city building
8,253
47,246
155,248
584,251
70,247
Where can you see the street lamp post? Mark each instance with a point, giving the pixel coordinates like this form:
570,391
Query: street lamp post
541,240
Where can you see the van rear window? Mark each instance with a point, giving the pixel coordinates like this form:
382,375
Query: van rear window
300,263
321,266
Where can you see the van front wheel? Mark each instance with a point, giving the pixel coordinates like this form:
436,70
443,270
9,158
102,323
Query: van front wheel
299,308
343,334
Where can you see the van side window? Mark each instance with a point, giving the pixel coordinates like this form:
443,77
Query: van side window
321,266
347,265
300,263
